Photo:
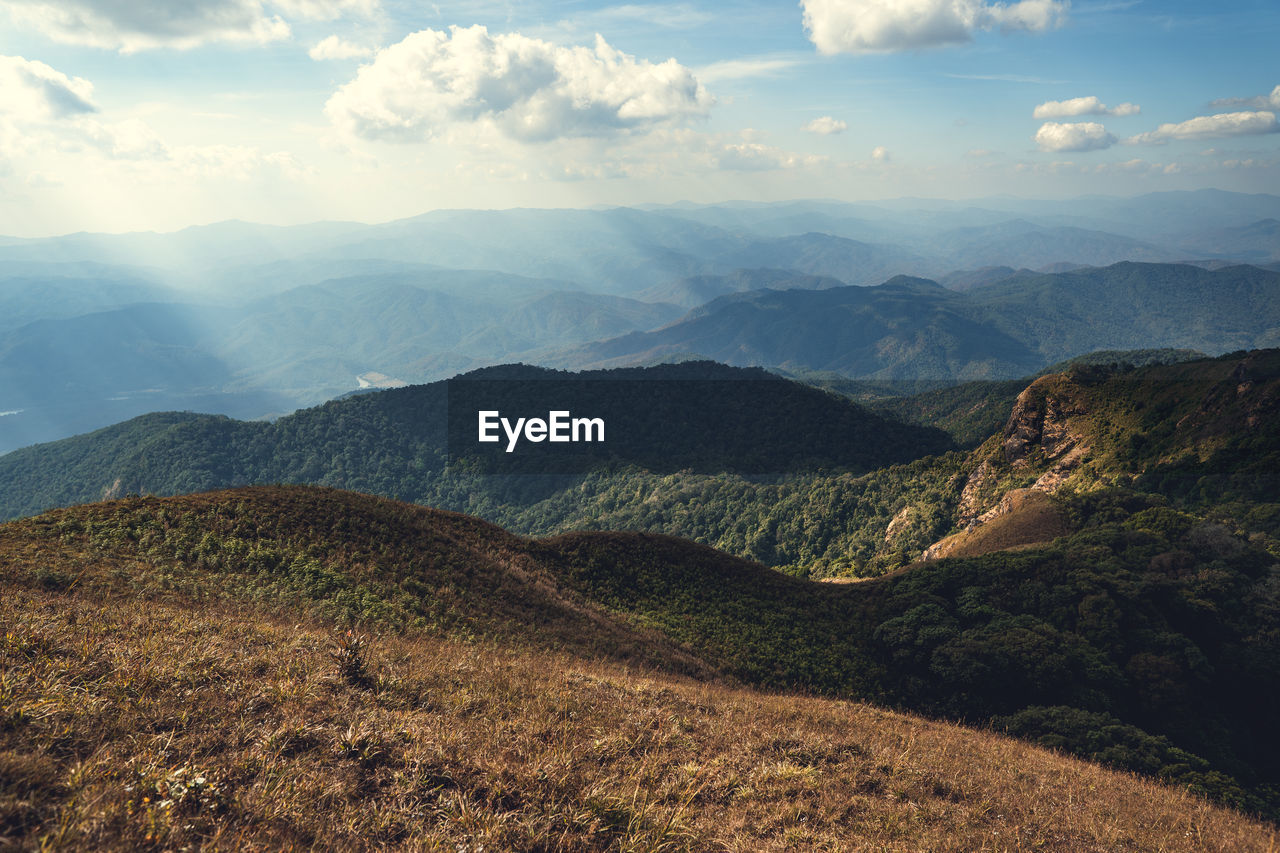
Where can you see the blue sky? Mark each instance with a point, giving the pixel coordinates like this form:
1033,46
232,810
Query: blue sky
123,115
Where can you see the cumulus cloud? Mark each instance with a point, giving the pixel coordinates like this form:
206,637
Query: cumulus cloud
133,25
1089,106
1211,127
1073,136
826,125
527,88
880,154
755,156
45,114
1261,102
33,91
882,26
336,48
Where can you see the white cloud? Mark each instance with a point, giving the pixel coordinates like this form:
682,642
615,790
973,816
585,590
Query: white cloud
526,88
325,10
33,91
880,154
826,125
738,69
1089,106
133,25
755,156
1261,102
670,16
881,26
1078,136
1211,127
336,48
50,124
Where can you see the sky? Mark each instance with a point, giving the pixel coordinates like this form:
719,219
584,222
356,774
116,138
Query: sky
126,115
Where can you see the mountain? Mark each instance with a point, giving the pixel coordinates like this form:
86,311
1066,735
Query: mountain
1020,243
870,502
972,411
262,308
1135,306
27,298
969,279
905,328
1257,242
697,290
1161,668
850,261
625,250
299,347
913,328
700,417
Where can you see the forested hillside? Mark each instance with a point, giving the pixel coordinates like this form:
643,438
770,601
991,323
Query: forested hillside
1186,431
1138,641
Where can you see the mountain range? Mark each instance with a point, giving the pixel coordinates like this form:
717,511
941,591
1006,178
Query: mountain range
259,320
915,328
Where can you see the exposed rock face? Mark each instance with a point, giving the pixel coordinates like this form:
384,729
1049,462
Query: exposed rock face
971,498
897,524
1022,518
1039,428
1040,421
1039,431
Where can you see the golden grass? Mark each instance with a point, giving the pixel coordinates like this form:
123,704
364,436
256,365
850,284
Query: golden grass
1030,518
128,724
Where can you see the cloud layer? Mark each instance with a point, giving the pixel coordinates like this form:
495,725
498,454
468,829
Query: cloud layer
826,126
1089,106
1211,127
1261,102
334,47
528,89
883,26
133,25
1073,136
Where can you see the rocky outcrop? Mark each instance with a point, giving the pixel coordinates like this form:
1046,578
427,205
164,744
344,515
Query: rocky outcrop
897,524
1022,518
1040,425
1040,433
1040,430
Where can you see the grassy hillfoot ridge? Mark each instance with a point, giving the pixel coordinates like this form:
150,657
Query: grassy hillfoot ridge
159,725
1147,640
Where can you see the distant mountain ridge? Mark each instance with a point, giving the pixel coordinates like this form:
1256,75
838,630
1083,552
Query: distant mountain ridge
914,328
300,289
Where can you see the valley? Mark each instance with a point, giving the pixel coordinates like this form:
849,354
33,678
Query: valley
1058,495
662,427
256,321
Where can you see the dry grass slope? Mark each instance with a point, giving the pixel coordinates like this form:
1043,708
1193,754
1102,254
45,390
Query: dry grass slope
153,696
130,725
